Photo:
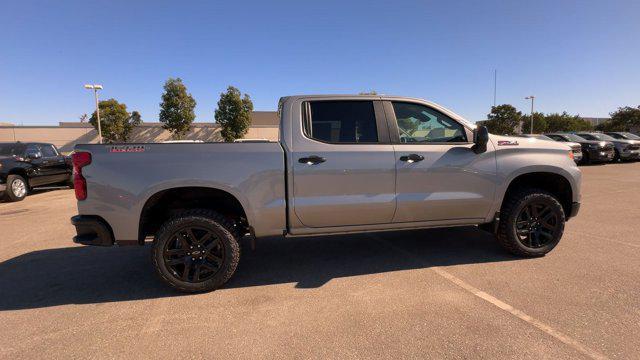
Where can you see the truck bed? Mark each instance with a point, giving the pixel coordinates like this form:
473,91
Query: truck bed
122,177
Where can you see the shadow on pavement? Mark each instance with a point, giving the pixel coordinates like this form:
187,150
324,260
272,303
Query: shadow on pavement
35,192
87,275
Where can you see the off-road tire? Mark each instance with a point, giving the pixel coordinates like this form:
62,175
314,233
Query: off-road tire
8,193
212,221
511,208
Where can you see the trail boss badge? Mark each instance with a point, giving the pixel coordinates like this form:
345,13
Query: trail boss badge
127,148
507,143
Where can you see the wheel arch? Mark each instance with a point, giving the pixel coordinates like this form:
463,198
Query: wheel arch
555,182
19,171
163,204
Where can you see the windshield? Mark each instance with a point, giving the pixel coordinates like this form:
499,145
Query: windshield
631,136
543,137
602,137
574,137
11,149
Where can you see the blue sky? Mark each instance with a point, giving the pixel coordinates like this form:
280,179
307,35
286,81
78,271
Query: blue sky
578,56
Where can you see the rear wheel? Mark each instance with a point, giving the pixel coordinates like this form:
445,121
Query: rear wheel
196,251
17,188
531,223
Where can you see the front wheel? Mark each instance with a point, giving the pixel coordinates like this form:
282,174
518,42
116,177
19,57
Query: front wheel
17,188
531,223
196,251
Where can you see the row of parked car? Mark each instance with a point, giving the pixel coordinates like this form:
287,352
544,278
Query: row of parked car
591,147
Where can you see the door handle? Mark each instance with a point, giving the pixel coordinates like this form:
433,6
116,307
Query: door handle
312,160
411,158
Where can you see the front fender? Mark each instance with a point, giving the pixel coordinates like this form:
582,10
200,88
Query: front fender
516,162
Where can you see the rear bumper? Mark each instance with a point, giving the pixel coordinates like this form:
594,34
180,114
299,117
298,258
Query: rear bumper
575,208
91,230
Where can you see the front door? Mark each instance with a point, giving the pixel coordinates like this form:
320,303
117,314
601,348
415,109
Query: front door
53,164
439,177
343,165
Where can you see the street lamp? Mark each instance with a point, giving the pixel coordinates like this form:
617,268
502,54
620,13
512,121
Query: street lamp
531,97
95,88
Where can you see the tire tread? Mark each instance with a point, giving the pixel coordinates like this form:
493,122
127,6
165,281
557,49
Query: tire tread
503,234
208,215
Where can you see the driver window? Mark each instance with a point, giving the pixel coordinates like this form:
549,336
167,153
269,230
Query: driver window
31,149
48,151
420,124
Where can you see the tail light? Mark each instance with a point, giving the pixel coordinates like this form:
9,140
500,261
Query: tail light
80,160
571,155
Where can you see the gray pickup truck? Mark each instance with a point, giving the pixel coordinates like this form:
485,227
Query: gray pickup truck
343,164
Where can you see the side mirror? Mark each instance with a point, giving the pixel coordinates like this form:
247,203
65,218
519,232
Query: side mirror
33,154
480,139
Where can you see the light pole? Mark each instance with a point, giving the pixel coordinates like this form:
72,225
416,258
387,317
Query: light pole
95,89
527,98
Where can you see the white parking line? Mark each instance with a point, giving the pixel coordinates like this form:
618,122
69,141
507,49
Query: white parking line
519,314
506,307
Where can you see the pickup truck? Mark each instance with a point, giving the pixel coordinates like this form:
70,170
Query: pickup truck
343,164
24,166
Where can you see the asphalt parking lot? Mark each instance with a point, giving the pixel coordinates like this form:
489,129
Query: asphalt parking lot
445,293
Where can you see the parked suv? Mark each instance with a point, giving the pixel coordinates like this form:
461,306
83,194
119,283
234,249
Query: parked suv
575,147
343,164
592,150
624,149
623,135
24,166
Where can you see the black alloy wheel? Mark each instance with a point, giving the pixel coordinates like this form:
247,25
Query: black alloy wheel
536,225
531,222
194,254
196,250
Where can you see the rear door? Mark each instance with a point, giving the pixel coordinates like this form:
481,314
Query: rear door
439,177
343,165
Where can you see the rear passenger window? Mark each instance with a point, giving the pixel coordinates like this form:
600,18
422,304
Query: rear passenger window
338,122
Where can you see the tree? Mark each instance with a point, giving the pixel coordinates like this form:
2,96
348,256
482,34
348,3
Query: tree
503,119
83,118
623,119
539,123
564,122
176,108
233,114
115,121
